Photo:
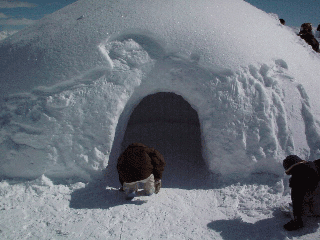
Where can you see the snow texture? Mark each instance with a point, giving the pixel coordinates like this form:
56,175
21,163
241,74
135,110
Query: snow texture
42,209
220,88
71,82
5,34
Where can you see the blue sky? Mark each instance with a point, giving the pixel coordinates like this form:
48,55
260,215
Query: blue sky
16,14
294,12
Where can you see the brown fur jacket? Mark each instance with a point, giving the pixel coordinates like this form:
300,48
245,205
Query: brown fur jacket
138,162
310,39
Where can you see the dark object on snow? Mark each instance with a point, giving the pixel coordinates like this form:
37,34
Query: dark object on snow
138,162
318,32
306,34
311,40
303,182
282,21
307,27
293,225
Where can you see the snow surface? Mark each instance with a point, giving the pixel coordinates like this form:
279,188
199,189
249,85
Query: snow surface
222,89
41,209
70,82
5,34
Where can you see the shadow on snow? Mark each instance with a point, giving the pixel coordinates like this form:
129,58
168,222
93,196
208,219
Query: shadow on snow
271,228
96,196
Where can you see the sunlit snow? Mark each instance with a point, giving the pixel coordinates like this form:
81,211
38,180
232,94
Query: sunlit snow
220,88
69,85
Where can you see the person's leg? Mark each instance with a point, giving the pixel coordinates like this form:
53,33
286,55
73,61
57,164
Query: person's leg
297,197
149,185
130,190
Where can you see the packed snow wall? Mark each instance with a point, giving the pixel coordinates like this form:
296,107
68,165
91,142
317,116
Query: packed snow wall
66,113
72,128
243,114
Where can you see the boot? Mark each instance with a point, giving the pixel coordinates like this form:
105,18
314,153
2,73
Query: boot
294,225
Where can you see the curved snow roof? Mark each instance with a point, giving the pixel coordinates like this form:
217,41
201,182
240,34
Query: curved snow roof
65,44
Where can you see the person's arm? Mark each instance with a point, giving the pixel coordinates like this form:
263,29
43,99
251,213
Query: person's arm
158,164
119,168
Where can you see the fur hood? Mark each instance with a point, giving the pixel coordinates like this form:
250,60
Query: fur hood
289,171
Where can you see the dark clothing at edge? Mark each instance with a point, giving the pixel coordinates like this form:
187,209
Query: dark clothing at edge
304,180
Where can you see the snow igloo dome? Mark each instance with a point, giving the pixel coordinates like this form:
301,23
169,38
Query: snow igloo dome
218,77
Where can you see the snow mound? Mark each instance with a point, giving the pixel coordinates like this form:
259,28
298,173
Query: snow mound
71,81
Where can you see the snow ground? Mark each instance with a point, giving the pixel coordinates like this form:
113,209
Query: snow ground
40,209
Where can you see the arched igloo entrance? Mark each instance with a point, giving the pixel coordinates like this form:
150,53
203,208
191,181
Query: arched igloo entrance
168,123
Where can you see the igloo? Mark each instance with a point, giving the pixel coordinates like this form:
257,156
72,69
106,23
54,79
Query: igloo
72,82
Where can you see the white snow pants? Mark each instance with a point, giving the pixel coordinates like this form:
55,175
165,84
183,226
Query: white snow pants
131,189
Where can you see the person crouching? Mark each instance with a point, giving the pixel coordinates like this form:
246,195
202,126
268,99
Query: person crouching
303,182
140,166
307,35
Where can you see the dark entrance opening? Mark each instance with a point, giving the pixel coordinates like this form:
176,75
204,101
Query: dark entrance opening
168,123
